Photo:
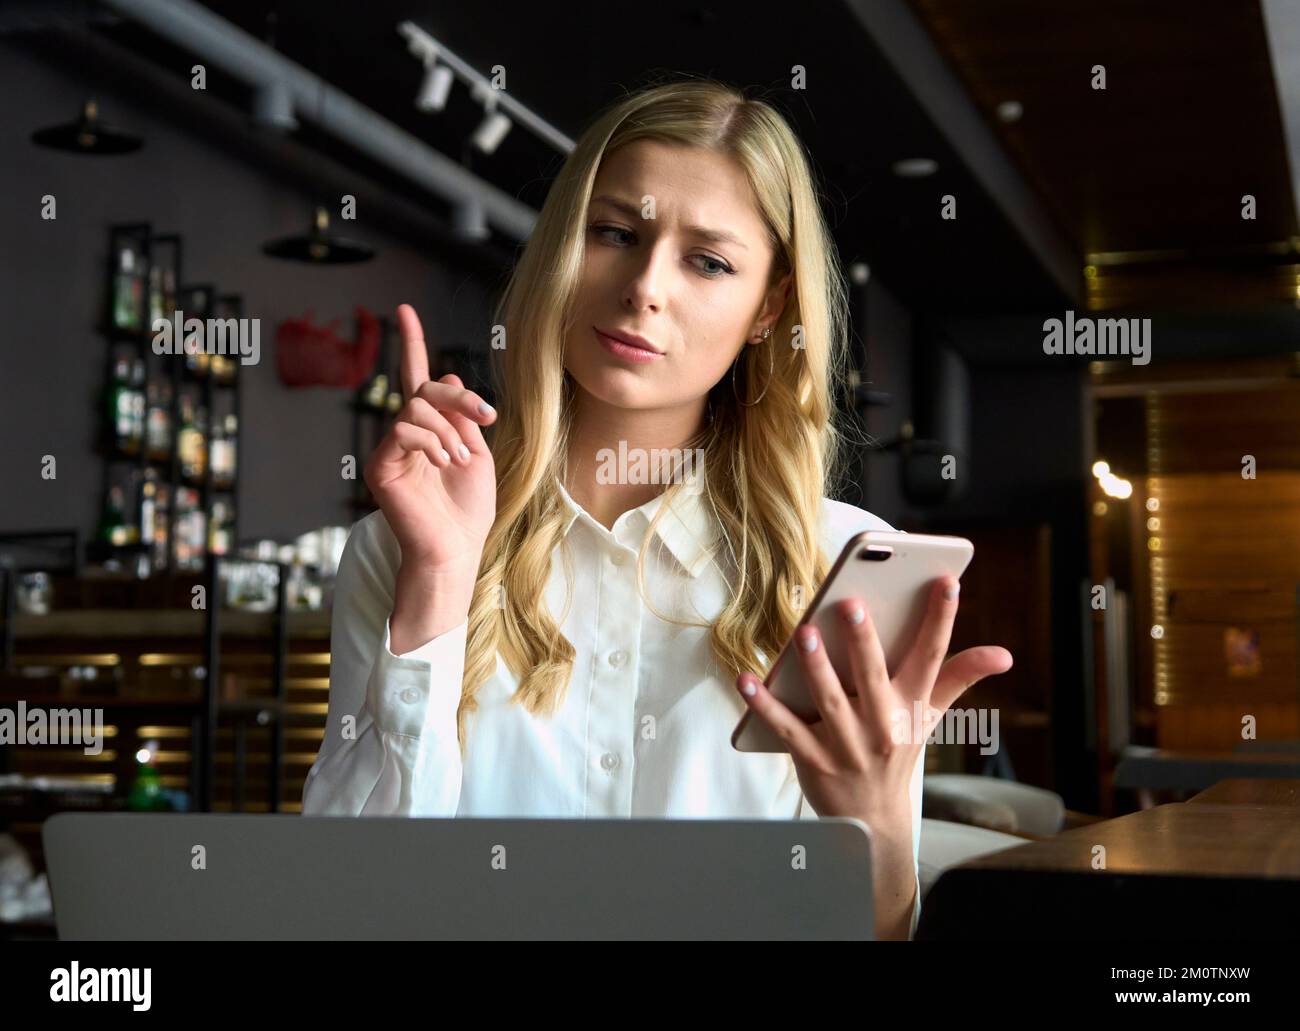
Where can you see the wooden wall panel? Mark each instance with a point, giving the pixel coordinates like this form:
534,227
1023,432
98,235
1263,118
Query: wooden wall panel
1224,559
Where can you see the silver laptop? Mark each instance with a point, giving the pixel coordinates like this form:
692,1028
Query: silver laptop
199,876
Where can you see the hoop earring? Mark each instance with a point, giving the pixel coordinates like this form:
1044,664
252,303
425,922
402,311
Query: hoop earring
771,366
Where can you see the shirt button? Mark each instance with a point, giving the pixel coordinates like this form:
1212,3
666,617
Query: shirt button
410,696
616,659
608,761
618,558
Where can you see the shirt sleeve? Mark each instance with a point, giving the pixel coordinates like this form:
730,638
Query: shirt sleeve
390,746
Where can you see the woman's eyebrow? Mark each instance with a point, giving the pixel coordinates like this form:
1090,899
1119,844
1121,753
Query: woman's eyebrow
633,211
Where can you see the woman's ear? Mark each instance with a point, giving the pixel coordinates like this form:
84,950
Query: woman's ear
779,296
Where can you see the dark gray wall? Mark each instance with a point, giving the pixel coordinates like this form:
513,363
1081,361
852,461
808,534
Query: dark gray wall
1025,463
888,367
52,286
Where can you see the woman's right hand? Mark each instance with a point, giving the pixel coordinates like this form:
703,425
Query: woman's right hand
439,508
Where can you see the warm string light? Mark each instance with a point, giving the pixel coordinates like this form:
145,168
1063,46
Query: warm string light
1114,486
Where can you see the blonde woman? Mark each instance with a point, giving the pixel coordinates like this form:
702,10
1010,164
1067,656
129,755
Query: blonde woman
541,629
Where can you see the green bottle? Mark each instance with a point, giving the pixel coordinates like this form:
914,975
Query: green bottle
146,793
113,528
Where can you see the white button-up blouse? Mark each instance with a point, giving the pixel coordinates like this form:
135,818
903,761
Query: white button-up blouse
644,728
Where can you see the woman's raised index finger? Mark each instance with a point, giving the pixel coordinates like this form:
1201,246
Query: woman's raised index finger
415,354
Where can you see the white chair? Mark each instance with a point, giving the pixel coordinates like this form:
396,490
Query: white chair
945,844
993,804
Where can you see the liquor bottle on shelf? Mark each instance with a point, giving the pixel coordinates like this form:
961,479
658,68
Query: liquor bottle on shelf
146,793
114,528
181,527
189,529
128,288
232,448
197,526
121,406
157,304
197,359
158,423
161,511
204,454
220,529
185,432
154,512
223,368
134,495
190,441
148,506
222,453
216,453
164,258
138,403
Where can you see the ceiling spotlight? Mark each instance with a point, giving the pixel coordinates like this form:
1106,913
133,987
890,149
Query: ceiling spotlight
492,130
319,247
1010,110
87,135
435,87
273,107
915,168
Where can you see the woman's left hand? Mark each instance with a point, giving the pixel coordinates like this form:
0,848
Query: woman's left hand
854,761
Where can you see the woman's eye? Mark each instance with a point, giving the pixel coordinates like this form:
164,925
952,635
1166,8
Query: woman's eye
607,229
721,268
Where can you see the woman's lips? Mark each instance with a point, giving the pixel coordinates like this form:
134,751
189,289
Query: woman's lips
626,351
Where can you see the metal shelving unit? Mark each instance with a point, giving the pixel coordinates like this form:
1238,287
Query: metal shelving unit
201,301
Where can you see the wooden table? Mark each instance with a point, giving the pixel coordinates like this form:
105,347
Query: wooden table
1204,871
1251,792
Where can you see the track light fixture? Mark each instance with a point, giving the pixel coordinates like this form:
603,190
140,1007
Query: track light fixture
492,130
501,111
435,87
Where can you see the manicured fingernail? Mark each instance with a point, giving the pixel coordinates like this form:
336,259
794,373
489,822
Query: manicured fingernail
463,451
747,687
445,457
855,614
485,408
951,590
808,642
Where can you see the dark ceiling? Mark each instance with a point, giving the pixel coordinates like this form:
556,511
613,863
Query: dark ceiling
1145,178
855,116
1159,161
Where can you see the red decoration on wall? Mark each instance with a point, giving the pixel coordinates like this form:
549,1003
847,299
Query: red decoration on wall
307,355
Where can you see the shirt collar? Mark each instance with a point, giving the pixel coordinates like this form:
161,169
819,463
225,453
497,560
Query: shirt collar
687,529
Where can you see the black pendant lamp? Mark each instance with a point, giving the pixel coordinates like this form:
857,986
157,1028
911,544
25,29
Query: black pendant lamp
87,135
319,247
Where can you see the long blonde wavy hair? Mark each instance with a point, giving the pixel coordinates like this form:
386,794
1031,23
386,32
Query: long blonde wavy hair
767,465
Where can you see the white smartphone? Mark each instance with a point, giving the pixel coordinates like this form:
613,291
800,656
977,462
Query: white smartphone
892,573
